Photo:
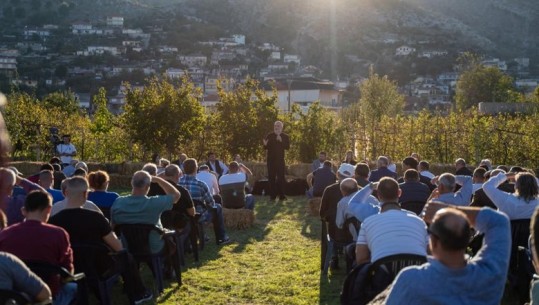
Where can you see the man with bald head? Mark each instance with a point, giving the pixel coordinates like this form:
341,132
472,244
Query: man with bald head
449,235
10,203
276,143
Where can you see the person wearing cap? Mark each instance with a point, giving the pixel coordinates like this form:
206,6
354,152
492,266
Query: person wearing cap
10,202
328,209
322,178
66,150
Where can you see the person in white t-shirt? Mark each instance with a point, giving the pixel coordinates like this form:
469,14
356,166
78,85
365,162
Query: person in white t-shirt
210,179
233,189
66,150
393,231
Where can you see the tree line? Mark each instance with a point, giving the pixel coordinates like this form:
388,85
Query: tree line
167,117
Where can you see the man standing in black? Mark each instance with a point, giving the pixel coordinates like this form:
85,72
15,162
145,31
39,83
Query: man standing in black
276,143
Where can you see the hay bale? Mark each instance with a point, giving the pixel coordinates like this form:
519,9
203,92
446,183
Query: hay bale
313,206
238,218
27,168
119,181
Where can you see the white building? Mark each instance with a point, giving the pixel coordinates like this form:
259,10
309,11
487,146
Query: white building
99,50
174,73
288,58
115,21
404,51
239,39
304,92
193,60
432,53
496,63
28,33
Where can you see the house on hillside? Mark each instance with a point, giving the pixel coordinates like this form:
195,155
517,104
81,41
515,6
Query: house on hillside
404,51
303,91
8,66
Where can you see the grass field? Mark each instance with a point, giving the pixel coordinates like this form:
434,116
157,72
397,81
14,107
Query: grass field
275,262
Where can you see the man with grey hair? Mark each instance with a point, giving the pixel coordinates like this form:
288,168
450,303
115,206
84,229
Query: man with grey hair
445,192
150,168
360,208
461,169
382,171
10,203
276,143
138,208
75,191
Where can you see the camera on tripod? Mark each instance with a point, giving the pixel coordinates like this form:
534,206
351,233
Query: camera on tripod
54,136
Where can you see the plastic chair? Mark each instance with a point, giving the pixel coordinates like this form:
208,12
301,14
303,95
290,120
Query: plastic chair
86,256
47,271
331,243
395,263
137,238
413,206
518,264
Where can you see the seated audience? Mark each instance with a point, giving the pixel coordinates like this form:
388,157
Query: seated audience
199,192
233,188
478,178
412,189
361,174
74,194
210,179
89,227
328,210
424,167
393,231
80,172
480,199
215,165
445,192
11,203
461,169
178,217
382,170
14,275
35,177
35,240
411,163
99,183
46,180
354,204
519,205
59,176
486,163
318,163
449,237
322,178
349,158
138,208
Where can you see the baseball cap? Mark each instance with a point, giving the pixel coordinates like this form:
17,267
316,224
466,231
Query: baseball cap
346,170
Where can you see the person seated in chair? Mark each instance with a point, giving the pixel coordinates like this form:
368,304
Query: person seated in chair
445,192
412,189
199,192
15,276
91,227
449,236
322,178
35,240
393,231
233,189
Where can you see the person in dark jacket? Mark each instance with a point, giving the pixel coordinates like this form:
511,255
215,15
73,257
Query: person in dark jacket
382,170
276,143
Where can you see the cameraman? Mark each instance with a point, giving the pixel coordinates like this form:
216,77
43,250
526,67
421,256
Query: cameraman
66,150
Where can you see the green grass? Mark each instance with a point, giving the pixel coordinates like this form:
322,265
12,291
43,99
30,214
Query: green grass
277,261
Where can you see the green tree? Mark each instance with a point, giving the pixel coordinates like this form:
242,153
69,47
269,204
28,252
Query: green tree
63,101
379,98
162,117
484,84
243,117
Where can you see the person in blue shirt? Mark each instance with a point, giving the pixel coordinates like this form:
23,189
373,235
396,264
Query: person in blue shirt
449,277
99,183
46,181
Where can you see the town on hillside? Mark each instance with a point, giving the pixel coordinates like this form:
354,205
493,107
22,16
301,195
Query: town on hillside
109,53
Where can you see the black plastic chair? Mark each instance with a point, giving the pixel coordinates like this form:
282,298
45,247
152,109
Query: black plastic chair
11,297
137,238
100,278
47,271
395,263
413,206
200,222
518,264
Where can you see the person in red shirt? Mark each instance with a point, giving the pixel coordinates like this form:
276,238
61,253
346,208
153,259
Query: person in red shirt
35,240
